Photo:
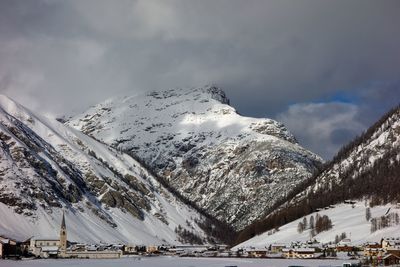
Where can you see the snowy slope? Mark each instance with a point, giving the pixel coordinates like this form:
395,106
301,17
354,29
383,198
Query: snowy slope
366,169
346,218
47,167
382,141
222,161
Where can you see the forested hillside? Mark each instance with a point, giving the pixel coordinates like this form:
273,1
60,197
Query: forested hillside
366,168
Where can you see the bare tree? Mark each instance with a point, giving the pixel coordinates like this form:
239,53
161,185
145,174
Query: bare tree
312,225
300,227
368,214
305,222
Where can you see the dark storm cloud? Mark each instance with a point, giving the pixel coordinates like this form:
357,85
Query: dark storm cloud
58,56
339,135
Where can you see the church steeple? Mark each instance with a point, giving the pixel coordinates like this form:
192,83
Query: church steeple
63,234
63,221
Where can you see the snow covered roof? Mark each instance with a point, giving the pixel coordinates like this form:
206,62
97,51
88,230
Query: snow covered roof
257,249
40,238
391,243
344,242
374,249
278,245
4,241
50,249
393,248
299,250
15,237
305,250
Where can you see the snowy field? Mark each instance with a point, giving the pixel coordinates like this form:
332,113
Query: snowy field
346,218
172,262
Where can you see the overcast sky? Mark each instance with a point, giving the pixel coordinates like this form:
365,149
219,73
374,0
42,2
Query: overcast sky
327,69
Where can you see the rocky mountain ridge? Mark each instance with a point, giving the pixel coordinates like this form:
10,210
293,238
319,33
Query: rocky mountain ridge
234,167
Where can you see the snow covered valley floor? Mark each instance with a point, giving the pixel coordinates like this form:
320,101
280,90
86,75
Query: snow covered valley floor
173,262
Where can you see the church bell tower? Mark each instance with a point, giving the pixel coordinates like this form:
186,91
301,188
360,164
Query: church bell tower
63,234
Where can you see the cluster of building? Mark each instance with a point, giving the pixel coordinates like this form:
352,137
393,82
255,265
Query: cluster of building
12,247
386,252
181,250
45,247
60,247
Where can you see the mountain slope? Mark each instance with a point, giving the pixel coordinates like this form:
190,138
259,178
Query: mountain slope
346,218
367,168
233,166
46,166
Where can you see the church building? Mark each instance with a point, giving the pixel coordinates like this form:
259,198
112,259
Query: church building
46,247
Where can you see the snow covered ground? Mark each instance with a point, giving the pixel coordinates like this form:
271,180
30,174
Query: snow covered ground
173,262
346,218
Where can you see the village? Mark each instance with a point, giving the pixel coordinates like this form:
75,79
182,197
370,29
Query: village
385,252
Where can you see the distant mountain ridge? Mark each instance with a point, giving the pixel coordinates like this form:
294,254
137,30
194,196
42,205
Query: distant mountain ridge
368,168
234,167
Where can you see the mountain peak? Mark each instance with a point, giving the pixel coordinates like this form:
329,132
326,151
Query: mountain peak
197,93
194,132
218,94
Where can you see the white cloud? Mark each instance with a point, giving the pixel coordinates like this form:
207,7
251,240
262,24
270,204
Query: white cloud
323,127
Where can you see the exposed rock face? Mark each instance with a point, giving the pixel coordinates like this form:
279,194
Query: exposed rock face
46,166
233,166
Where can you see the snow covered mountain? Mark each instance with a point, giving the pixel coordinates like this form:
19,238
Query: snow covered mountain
234,167
381,141
47,167
366,170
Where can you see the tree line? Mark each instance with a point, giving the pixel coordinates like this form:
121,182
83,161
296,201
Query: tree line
322,223
384,221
